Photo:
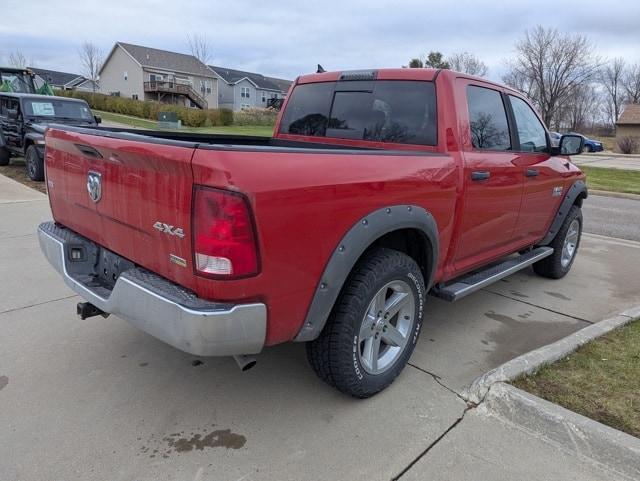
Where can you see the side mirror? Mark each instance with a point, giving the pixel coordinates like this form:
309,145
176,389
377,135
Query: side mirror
570,145
12,114
98,119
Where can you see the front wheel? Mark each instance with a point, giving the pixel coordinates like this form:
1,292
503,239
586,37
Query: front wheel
373,327
35,164
565,247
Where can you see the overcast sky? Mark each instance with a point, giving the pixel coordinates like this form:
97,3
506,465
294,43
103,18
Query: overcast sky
287,38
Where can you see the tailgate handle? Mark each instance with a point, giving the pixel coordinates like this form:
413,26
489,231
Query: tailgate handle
88,151
531,173
480,175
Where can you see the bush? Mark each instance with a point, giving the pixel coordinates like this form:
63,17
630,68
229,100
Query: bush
256,116
627,145
149,110
226,116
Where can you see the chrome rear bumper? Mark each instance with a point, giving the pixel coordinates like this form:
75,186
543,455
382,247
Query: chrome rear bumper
155,305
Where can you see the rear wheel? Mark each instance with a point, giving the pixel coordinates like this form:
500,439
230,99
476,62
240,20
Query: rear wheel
565,247
5,156
34,163
373,327
587,148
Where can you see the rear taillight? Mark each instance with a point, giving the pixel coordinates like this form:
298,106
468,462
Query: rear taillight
224,241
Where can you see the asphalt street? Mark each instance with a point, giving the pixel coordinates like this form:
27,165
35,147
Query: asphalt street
612,217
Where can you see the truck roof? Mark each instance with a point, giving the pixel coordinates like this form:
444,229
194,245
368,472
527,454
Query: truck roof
424,74
20,95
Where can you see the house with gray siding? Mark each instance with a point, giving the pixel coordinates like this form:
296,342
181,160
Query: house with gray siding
238,89
146,73
62,80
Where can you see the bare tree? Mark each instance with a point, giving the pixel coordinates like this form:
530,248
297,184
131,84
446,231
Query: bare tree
553,64
631,83
91,57
579,110
200,48
468,63
610,78
17,59
520,81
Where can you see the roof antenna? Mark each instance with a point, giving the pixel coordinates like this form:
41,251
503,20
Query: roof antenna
320,69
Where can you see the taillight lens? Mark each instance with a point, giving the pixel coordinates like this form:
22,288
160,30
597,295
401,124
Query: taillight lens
224,242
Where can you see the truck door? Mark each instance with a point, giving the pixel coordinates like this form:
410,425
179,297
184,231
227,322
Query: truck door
493,181
543,181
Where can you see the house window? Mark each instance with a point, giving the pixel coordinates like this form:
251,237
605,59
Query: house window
244,92
134,96
264,97
125,75
245,106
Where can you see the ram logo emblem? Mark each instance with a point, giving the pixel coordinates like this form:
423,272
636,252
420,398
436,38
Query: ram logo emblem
94,185
169,229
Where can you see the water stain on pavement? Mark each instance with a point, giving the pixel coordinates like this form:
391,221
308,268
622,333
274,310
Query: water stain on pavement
220,438
518,294
4,380
557,295
516,336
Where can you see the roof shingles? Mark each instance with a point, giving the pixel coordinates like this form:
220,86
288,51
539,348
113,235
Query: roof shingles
164,60
232,76
630,115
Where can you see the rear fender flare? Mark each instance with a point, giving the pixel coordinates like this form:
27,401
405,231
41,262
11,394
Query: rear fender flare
579,188
354,243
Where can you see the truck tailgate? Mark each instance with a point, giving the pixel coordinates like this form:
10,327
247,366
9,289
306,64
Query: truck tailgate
143,212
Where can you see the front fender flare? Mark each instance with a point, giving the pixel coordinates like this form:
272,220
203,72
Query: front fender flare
354,243
579,188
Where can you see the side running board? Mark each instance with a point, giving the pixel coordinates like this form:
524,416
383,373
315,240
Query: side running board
466,285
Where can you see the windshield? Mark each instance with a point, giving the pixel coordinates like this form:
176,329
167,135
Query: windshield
57,109
381,111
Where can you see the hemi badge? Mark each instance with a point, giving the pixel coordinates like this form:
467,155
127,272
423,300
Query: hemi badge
178,260
557,191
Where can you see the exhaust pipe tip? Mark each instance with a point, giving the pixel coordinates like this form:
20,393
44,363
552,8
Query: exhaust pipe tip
245,362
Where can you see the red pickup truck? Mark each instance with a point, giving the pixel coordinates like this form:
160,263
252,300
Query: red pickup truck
378,188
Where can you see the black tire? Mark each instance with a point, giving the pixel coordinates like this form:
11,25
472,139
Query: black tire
335,355
554,266
587,149
34,163
5,156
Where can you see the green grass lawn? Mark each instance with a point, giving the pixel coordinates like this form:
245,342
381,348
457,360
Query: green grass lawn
600,380
138,123
614,180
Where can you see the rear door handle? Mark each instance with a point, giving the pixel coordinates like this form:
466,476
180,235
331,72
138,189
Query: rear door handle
480,175
531,173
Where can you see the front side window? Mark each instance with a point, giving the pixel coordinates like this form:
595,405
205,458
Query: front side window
381,111
533,137
487,119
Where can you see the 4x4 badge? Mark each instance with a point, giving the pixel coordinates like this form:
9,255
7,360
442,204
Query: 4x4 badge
169,229
94,185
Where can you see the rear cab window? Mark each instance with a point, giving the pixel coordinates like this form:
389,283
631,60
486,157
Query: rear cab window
392,111
487,119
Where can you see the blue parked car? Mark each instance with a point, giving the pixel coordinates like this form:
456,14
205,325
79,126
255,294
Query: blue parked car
590,145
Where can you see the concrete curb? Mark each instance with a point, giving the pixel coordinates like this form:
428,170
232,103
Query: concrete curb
572,432
533,360
619,195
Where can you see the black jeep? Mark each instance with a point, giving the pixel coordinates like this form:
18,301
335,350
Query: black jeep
24,119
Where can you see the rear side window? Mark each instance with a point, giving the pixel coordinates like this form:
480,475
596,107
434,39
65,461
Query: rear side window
487,119
381,111
532,135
